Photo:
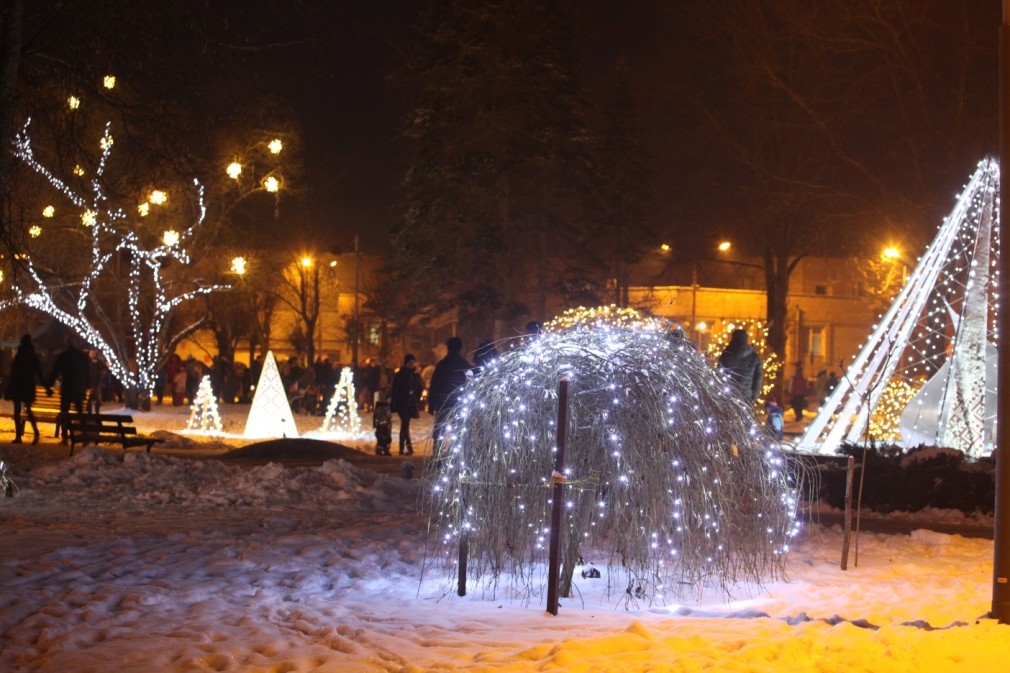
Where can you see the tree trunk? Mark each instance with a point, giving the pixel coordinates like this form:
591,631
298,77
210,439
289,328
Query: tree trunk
777,283
10,60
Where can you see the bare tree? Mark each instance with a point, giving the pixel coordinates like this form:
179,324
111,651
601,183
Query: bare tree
122,267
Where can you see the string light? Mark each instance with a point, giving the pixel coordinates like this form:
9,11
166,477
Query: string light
342,411
133,350
670,479
204,417
927,373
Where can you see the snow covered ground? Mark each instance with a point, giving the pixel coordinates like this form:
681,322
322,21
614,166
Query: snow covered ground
171,562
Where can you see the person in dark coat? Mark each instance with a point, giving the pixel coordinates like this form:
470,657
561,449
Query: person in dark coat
405,399
799,388
26,371
449,375
72,367
742,365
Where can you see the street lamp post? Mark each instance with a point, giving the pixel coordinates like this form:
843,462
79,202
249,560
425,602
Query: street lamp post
1001,533
354,342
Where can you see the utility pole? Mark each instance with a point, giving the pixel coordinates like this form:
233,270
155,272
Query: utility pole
354,343
1001,533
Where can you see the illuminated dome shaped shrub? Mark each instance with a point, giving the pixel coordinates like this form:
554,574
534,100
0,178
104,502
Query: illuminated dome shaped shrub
671,483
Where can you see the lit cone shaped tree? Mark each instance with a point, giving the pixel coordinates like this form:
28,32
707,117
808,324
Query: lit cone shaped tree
342,411
204,416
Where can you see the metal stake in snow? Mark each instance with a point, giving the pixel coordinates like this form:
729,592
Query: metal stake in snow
557,504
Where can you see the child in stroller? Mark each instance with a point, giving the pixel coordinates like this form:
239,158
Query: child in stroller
382,421
776,419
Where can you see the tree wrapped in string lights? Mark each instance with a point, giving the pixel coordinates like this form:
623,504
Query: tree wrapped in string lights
670,482
84,296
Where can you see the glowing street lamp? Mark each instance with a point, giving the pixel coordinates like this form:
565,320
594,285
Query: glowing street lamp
170,238
271,184
306,262
275,146
724,246
109,81
234,170
893,254
238,266
158,197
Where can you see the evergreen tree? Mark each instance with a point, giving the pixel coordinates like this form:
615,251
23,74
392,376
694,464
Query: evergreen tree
493,192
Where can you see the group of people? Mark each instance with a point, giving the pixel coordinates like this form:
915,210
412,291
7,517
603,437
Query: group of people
73,368
407,392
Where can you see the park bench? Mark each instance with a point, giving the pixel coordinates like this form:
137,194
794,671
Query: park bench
105,429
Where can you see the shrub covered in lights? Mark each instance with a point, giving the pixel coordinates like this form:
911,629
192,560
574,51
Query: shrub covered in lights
670,482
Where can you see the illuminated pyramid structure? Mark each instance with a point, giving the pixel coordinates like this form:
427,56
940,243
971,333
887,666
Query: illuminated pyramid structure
342,411
270,414
927,374
203,415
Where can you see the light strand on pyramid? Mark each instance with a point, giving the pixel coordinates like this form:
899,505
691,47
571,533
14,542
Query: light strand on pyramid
204,416
938,338
134,356
342,411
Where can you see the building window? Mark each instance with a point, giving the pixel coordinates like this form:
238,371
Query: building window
815,341
820,289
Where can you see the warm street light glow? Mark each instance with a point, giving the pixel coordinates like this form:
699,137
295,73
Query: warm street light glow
306,262
234,170
271,184
106,143
78,171
275,146
891,252
73,102
109,81
35,231
88,218
144,209
702,326
724,246
333,264
48,211
238,265
158,197
170,237
665,247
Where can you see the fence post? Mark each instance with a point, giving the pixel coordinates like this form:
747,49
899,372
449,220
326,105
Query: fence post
848,512
557,501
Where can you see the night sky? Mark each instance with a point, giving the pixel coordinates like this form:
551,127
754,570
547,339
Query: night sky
339,67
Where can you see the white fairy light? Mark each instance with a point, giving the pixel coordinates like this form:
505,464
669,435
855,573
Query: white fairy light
505,425
146,328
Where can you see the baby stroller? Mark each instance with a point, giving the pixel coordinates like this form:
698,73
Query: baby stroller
776,419
382,421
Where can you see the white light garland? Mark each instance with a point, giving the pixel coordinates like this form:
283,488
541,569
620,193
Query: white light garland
204,417
134,351
666,494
